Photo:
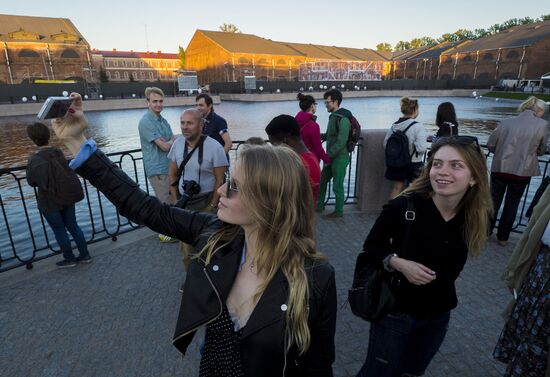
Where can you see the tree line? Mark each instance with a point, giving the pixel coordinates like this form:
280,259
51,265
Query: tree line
459,35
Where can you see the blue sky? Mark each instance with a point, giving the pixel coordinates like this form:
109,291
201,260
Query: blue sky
362,24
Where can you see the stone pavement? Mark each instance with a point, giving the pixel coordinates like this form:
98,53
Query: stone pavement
116,316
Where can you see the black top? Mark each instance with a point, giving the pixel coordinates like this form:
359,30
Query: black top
37,176
433,242
447,129
221,356
215,126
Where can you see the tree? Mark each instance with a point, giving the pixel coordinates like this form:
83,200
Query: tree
229,28
402,46
103,75
383,47
464,34
544,17
181,57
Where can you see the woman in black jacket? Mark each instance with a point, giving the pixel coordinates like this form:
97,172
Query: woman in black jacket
450,214
265,295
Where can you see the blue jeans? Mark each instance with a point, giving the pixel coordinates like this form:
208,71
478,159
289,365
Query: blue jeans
66,219
401,345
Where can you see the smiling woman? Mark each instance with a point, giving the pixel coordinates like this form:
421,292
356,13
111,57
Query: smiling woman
451,211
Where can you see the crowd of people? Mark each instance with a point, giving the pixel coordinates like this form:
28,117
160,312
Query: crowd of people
254,277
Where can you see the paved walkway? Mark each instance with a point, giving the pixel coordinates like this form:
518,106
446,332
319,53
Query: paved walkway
115,317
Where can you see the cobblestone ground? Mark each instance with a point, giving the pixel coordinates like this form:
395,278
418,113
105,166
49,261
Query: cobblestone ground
115,317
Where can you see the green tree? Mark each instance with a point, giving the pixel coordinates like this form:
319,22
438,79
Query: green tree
464,34
103,75
383,47
544,17
181,57
402,46
480,33
229,28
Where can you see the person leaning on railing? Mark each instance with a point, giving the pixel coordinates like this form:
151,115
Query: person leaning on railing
264,293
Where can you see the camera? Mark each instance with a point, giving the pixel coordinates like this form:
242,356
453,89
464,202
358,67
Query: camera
190,189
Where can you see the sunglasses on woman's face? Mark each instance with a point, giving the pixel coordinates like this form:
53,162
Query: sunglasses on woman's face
463,140
231,185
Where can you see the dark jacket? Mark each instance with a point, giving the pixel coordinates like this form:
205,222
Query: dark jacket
37,176
207,286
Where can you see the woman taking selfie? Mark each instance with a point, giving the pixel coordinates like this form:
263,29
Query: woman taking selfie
264,293
451,205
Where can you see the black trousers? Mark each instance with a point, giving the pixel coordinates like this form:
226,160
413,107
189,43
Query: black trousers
514,189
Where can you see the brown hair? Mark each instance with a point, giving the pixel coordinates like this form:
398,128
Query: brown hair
39,133
153,89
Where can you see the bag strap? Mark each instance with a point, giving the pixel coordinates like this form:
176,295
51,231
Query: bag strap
410,216
188,157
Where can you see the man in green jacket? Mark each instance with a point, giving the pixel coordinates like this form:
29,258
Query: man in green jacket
336,137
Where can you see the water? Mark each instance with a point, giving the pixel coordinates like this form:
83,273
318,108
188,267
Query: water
116,130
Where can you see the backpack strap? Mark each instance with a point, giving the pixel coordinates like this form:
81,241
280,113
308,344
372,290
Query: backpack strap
188,157
410,216
405,131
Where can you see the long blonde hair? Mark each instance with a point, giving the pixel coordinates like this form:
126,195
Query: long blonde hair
477,202
275,189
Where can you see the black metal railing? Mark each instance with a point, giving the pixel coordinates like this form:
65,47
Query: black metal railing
25,238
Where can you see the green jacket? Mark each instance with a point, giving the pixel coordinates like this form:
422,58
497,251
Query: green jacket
337,134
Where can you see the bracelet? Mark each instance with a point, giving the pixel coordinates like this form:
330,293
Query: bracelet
386,262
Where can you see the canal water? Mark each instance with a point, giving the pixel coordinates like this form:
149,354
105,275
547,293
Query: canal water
116,131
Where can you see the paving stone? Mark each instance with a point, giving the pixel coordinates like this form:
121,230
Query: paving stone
116,316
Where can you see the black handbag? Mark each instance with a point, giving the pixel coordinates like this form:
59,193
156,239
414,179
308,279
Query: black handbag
373,292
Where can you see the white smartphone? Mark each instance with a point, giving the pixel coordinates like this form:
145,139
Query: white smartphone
54,107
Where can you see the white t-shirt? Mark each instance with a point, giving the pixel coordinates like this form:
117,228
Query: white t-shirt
213,156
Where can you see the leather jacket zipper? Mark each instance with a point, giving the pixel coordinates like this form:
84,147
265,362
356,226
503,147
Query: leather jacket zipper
211,320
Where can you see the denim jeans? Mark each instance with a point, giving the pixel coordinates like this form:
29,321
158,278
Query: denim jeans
514,191
401,345
60,221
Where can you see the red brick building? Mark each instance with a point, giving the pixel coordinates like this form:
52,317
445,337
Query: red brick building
42,48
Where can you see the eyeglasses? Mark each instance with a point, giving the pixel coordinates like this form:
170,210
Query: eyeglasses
463,140
231,185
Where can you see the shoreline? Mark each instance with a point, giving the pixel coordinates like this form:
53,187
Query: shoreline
21,109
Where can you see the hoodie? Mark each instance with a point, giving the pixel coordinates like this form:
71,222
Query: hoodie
416,135
337,133
311,135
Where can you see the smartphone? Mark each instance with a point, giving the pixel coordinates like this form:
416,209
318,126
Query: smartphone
54,107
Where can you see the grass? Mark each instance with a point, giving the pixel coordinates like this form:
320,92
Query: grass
516,95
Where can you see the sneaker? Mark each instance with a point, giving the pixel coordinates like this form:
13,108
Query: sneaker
66,263
163,238
86,259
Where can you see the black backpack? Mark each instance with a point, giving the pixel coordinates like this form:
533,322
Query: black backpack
397,149
64,187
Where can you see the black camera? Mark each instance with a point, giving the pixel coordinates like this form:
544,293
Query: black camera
190,189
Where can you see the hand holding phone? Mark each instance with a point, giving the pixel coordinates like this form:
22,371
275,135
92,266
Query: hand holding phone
54,107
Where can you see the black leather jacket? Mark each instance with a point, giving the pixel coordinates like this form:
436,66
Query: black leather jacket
207,286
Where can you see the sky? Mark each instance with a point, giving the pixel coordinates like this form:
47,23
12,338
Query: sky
162,25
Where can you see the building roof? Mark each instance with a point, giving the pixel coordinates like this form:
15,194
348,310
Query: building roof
252,44
516,36
39,29
135,54
433,52
246,43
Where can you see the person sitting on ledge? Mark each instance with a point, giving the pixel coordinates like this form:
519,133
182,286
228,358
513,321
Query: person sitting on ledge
265,294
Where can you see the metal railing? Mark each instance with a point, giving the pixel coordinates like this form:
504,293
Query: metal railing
25,238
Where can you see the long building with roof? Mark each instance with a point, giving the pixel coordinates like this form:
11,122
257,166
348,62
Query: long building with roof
220,56
42,48
521,52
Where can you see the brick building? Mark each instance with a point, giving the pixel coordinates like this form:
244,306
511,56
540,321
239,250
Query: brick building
219,56
42,48
119,66
521,52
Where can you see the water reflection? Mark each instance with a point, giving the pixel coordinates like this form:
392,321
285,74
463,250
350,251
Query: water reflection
117,130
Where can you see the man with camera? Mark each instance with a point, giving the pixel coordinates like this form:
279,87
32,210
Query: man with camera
197,167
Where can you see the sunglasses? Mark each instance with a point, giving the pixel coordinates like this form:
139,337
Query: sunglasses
462,140
231,185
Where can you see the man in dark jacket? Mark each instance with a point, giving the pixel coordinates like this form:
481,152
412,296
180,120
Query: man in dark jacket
336,137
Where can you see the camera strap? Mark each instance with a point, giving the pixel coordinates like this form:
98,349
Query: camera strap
187,157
